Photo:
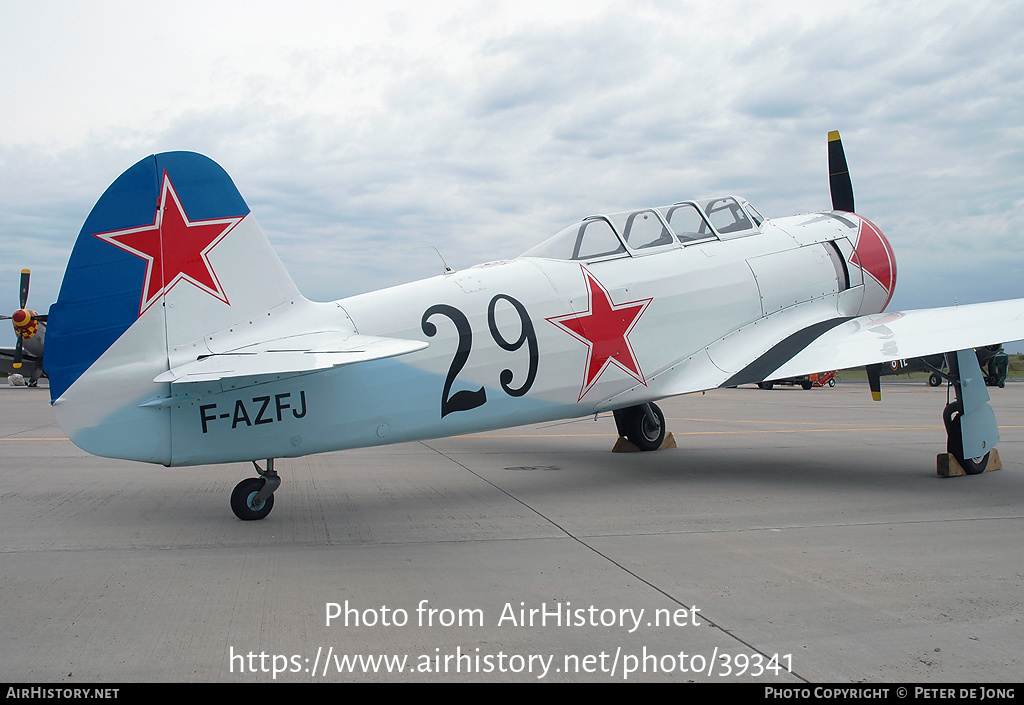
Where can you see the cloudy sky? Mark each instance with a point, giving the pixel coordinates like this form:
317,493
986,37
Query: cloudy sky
363,133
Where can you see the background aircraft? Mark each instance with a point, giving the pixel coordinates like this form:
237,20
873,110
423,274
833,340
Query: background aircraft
991,358
179,339
26,358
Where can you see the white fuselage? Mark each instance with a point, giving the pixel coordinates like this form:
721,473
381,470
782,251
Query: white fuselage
712,305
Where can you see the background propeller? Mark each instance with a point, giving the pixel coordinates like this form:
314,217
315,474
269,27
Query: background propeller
25,275
22,317
839,175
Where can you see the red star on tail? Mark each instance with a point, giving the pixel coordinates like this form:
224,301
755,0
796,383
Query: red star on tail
174,248
604,327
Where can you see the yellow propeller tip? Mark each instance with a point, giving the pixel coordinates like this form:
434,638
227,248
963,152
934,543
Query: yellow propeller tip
833,136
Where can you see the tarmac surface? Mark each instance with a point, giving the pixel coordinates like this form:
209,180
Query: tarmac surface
793,536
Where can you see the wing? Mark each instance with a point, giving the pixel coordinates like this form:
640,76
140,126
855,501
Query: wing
774,350
29,362
884,337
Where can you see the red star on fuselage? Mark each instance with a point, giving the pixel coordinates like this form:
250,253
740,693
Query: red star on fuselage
174,248
604,327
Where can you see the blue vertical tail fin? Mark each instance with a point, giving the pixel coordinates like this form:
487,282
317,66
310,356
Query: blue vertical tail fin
169,254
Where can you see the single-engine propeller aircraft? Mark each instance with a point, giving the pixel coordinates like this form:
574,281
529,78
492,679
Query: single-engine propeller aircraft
179,339
26,357
991,359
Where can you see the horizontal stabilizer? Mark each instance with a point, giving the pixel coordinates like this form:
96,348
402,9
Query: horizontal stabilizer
309,352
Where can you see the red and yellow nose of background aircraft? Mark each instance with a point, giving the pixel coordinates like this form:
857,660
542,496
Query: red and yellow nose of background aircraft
26,358
179,339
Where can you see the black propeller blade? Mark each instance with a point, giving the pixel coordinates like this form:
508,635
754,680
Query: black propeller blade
839,175
875,380
23,299
25,274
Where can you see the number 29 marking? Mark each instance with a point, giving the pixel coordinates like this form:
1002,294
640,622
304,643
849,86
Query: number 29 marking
465,400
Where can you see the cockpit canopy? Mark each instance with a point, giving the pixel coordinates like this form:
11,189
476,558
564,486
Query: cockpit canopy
643,231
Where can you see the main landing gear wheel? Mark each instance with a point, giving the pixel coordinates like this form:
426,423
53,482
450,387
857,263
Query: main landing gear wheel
244,502
642,425
954,441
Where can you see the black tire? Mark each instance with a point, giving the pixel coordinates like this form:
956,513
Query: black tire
765,385
807,384
974,466
832,382
934,379
243,495
955,442
645,426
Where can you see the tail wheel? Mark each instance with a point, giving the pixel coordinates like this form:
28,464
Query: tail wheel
934,379
243,500
951,417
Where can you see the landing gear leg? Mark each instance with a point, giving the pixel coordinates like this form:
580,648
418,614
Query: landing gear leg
253,498
642,425
952,416
971,430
